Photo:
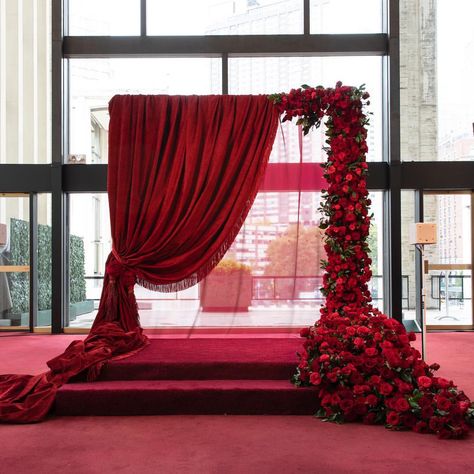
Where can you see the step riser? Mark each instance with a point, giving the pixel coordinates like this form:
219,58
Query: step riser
235,371
202,402
195,376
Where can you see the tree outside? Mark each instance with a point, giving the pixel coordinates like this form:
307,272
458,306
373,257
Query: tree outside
296,253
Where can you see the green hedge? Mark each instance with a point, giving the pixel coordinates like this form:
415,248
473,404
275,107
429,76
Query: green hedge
20,255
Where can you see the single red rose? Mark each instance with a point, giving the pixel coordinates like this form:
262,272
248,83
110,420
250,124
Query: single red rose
393,418
385,388
332,376
315,378
375,379
326,400
427,412
361,389
443,383
424,382
372,400
305,332
443,403
436,423
370,363
402,405
346,370
346,404
371,351
358,342
335,399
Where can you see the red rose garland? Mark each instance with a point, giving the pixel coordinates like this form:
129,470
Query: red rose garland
360,360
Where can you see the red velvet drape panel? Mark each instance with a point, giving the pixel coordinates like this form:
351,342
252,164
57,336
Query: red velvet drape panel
183,173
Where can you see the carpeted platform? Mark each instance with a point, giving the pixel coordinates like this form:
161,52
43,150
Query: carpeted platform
230,444
195,376
200,359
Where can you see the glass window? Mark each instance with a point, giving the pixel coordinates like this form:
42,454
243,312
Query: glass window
93,82
280,74
14,261
448,287
279,249
435,64
346,16
25,83
375,241
89,247
224,17
104,17
455,70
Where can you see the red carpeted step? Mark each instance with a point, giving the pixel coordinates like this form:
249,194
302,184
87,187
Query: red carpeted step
171,397
209,359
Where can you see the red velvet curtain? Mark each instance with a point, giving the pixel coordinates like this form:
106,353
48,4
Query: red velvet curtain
183,173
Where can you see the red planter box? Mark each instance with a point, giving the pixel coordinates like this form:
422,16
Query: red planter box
226,292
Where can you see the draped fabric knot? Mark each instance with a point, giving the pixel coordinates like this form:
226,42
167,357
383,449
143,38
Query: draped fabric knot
118,271
118,303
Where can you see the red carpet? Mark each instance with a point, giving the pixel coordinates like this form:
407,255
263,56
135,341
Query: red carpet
226,444
196,376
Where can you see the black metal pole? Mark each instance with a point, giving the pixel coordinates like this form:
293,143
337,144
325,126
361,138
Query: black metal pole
58,271
33,261
393,241
225,73
143,18
306,17
419,217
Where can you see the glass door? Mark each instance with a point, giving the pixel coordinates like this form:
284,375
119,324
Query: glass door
448,263
14,261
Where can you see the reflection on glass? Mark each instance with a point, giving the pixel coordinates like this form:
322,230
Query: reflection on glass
93,82
449,289
375,241
89,247
272,269
346,16
224,17
280,74
104,17
14,261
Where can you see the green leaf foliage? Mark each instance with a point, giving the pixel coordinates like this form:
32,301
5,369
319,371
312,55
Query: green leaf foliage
20,255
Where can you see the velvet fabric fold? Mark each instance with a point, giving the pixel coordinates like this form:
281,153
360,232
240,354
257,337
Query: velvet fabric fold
28,398
183,173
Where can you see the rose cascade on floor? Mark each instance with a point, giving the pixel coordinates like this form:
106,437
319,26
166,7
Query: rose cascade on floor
360,361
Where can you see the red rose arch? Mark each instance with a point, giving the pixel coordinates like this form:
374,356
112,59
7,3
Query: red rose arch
361,361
